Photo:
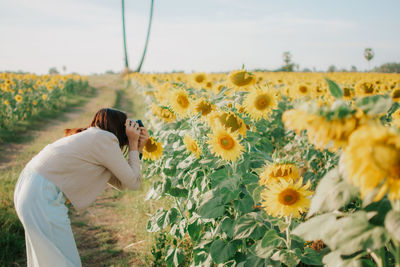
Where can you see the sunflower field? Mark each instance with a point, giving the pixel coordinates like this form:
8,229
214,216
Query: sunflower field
275,169
25,95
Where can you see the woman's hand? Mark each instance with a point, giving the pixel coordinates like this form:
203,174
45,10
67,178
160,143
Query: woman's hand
133,133
144,136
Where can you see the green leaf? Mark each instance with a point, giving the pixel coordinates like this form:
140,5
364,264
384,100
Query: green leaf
174,256
222,251
315,228
272,239
347,235
392,224
156,221
332,193
255,191
218,176
211,206
354,233
185,163
194,230
311,257
245,226
283,225
374,105
177,192
334,259
245,205
227,226
289,258
260,251
381,208
169,218
335,90
249,178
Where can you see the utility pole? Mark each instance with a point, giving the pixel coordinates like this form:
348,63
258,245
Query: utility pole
123,32
147,38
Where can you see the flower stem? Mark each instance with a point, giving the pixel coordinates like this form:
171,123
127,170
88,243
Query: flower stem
288,220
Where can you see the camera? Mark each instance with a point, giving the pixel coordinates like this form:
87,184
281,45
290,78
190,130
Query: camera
140,123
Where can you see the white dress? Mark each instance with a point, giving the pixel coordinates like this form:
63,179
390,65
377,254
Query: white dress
40,206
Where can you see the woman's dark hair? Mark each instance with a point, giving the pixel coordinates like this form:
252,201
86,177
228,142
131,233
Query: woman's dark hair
108,119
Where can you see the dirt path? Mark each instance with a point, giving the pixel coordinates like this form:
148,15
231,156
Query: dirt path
103,237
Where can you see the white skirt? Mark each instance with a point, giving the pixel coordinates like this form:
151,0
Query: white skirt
40,206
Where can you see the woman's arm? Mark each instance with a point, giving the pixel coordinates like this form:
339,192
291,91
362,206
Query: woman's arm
109,154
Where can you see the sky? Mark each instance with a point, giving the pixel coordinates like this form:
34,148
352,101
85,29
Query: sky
85,36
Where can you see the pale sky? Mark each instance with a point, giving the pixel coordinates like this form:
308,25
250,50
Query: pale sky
201,35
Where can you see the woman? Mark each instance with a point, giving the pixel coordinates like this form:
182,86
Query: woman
77,167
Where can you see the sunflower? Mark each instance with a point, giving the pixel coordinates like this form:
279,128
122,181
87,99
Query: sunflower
192,146
348,93
229,120
286,198
258,103
163,113
6,102
218,87
44,96
152,150
302,90
396,118
239,79
180,102
199,78
225,144
324,134
364,88
371,161
208,85
18,98
273,173
162,91
396,95
203,107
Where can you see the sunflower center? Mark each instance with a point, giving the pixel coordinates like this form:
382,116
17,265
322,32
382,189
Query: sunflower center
199,78
368,88
262,102
241,78
226,142
387,158
150,146
303,89
396,94
193,146
230,121
281,173
165,113
346,91
204,108
183,101
288,197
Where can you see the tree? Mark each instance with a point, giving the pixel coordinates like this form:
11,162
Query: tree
331,68
53,70
147,37
287,58
369,55
391,67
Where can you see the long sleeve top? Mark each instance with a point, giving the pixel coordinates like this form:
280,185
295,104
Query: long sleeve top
82,164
